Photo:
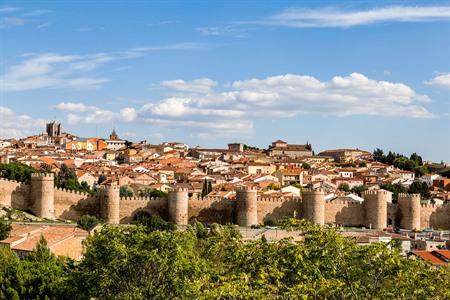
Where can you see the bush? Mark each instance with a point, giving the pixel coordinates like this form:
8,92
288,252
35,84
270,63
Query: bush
87,222
152,222
5,229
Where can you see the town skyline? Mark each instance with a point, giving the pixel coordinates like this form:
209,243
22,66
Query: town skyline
333,74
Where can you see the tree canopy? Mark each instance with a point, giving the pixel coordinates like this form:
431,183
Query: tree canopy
132,262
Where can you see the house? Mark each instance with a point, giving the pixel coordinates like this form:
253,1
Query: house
62,240
90,144
290,176
280,148
260,168
346,155
435,257
90,179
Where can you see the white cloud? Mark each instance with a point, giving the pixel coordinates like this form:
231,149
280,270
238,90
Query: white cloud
14,18
202,85
332,17
15,126
7,9
230,30
232,112
73,107
442,80
53,70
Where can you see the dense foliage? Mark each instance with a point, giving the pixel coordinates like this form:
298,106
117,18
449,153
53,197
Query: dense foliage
395,188
132,262
87,222
16,171
67,178
5,228
126,191
153,193
413,163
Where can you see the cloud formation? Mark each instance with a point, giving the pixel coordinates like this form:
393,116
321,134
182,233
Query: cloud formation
197,105
53,70
11,16
332,17
442,80
15,126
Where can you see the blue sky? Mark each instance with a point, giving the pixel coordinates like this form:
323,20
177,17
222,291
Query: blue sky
338,74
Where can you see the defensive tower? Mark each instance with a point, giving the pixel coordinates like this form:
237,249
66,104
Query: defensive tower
375,206
247,206
43,195
178,206
313,205
409,205
110,204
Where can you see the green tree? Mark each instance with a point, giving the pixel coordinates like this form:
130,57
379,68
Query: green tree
17,171
416,158
5,229
154,222
125,191
101,179
306,166
421,188
344,187
395,189
378,155
358,189
87,222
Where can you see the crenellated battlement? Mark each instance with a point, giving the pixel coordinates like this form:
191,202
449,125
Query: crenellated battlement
246,188
408,196
277,199
313,191
64,190
42,175
344,202
142,199
376,192
5,180
47,201
179,189
209,198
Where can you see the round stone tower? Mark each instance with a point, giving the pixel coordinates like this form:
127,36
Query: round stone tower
43,195
247,206
375,206
313,205
178,206
110,204
409,205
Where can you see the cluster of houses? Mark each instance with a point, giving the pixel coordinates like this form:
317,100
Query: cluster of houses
281,170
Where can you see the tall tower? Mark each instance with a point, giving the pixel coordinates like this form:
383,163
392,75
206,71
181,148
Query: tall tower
247,206
375,206
178,206
43,195
110,204
54,129
313,205
409,205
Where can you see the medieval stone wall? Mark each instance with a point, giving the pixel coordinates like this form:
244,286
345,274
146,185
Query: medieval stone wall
212,209
132,206
15,194
276,209
72,205
435,216
346,213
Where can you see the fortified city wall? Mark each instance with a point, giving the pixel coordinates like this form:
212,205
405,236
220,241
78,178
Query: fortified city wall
44,200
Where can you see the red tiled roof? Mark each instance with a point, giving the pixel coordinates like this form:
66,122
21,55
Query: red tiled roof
429,257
